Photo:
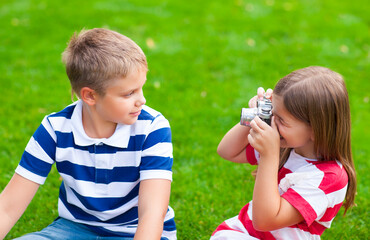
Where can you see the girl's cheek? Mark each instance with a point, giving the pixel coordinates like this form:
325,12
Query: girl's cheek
280,129
278,125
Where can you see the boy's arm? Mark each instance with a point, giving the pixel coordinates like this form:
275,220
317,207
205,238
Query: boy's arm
154,196
14,200
233,145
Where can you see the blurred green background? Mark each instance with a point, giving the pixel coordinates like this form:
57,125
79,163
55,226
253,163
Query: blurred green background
206,59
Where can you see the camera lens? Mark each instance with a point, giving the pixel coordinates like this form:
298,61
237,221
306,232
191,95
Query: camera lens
247,115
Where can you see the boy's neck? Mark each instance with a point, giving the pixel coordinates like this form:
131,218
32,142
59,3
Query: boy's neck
94,126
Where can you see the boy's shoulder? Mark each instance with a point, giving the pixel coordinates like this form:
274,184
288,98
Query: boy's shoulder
59,120
66,112
148,113
151,120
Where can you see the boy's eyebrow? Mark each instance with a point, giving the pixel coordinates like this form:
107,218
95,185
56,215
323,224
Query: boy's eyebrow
135,88
125,91
132,89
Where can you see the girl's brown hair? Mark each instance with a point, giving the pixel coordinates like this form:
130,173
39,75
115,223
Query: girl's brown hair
318,96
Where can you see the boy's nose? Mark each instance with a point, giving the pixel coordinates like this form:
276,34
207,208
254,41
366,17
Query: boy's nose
141,101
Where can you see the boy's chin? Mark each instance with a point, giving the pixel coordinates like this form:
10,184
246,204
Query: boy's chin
130,121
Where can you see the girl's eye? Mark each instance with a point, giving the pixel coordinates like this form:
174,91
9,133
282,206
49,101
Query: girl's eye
280,120
284,123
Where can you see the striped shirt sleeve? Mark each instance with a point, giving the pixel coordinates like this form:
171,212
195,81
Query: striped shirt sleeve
252,155
315,192
157,151
39,155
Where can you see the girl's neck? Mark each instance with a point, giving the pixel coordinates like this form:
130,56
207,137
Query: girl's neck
307,151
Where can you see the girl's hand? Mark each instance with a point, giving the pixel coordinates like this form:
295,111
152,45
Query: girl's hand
263,138
260,93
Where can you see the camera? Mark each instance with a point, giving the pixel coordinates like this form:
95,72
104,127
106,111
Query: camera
263,111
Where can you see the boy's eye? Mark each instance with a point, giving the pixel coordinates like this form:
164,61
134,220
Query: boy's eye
129,94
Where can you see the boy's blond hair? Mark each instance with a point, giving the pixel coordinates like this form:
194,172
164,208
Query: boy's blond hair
95,57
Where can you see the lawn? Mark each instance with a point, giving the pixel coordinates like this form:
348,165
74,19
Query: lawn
206,59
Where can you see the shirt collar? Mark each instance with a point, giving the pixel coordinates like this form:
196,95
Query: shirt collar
120,137
298,156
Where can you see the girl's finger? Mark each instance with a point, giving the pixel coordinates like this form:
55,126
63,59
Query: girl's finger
259,124
269,93
251,132
254,124
273,124
253,102
260,92
250,139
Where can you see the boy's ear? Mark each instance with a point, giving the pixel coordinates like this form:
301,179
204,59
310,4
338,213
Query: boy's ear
88,95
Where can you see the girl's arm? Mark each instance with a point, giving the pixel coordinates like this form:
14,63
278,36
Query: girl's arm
233,145
154,196
14,200
270,210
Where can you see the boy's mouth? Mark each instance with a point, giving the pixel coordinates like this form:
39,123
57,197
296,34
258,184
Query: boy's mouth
137,113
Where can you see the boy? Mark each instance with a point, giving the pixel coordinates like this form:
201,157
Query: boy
113,152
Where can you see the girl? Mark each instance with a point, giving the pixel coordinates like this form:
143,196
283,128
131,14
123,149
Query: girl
305,167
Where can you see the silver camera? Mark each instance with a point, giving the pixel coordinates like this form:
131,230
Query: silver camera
263,111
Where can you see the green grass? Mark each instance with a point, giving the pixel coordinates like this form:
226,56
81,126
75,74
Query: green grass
206,60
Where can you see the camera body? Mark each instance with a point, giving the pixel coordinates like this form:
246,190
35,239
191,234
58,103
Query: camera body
263,111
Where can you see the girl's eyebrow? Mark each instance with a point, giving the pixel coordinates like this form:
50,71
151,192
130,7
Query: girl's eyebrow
275,114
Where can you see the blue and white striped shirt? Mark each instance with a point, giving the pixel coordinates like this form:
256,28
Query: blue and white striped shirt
101,177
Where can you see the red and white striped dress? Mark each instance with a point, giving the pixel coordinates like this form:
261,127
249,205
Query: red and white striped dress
316,189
